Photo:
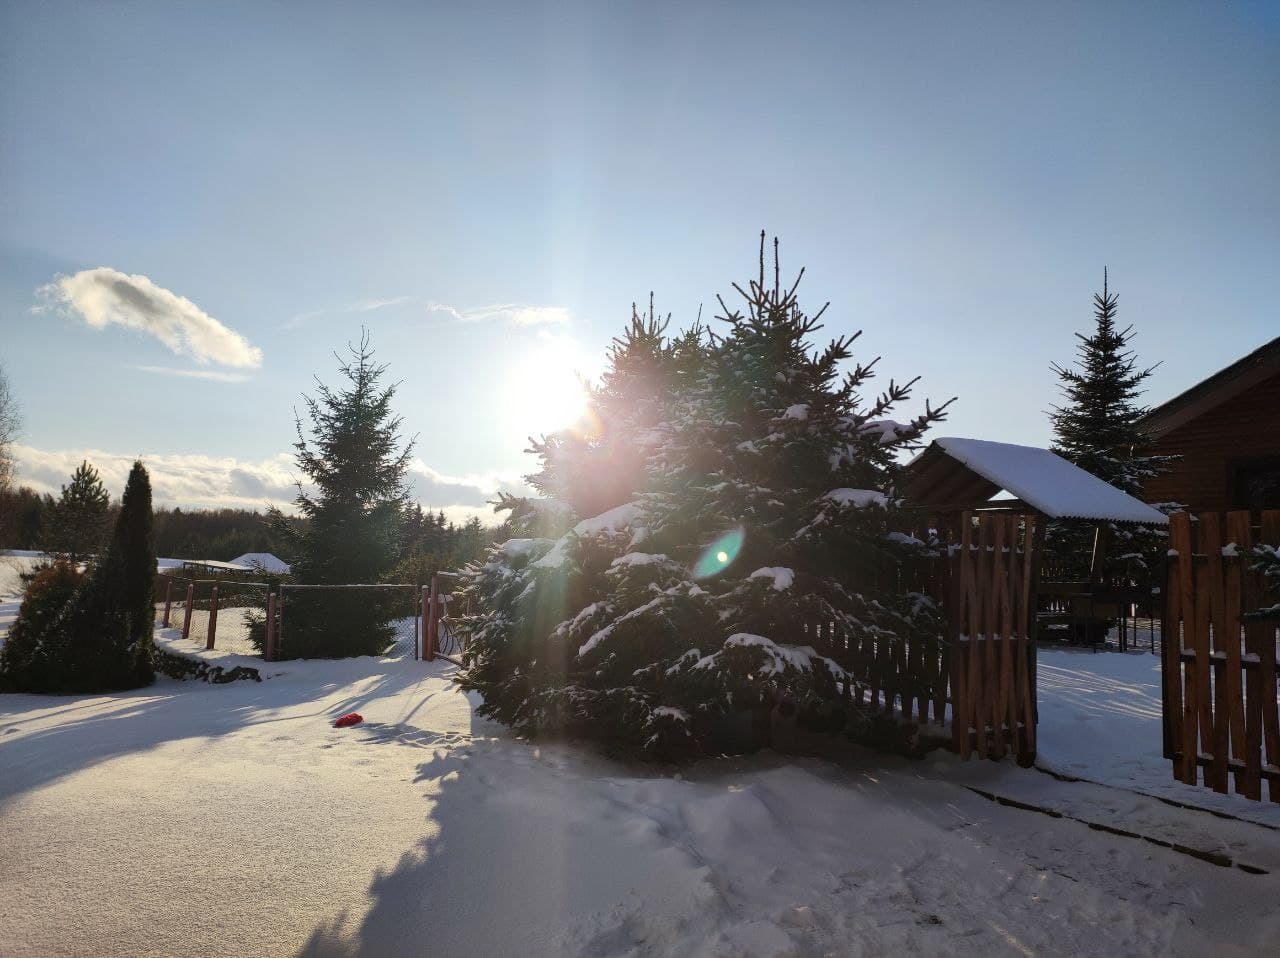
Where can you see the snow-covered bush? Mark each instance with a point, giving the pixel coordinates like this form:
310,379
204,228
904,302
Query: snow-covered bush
757,502
33,657
91,633
1265,559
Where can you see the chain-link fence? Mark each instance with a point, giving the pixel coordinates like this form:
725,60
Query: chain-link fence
306,620
218,612
329,621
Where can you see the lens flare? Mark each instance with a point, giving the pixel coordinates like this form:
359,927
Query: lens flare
720,554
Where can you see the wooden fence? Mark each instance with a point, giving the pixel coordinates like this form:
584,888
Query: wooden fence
982,667
991,615
1220,696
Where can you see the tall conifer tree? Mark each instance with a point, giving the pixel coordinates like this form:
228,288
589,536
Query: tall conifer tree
1099,428
351,452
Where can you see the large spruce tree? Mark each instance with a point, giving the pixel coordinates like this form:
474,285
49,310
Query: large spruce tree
1099,428
351,452
764,503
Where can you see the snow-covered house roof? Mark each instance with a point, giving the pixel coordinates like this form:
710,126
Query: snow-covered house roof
264,561
957,474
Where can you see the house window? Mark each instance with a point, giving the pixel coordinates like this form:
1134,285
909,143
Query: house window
1257,484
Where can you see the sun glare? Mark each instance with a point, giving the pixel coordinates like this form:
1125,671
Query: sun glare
544,393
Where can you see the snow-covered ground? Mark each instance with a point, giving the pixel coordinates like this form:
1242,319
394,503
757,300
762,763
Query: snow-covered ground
234,820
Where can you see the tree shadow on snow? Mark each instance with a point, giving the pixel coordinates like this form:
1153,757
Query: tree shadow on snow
91,729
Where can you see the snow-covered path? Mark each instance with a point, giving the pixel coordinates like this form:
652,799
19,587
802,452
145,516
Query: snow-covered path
233,820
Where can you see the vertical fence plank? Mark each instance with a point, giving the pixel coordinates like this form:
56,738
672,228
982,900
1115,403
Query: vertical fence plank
168,601
996,645
1232,599
1181,533
1246,706
1171,661
1270,534
962,706
1032,540
1219,733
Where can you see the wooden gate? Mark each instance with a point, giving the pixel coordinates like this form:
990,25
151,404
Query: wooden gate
990,617
1220,696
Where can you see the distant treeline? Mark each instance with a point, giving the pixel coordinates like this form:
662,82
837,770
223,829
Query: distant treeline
26,521
428,541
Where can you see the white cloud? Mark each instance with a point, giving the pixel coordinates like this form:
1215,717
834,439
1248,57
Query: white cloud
195,481
364,306
181,480
214,374
515,313
105,297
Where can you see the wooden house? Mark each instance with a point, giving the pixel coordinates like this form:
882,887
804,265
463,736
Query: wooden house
1226,430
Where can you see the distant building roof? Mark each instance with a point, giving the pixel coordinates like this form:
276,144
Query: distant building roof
264,561
1259,365
215,564
955,474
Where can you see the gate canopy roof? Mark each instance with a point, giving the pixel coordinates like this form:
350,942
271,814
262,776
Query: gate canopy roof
953,475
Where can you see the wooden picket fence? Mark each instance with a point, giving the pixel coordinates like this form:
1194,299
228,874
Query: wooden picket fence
980,673
991,615
1220,695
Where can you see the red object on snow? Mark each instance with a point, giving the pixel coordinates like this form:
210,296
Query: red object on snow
351,718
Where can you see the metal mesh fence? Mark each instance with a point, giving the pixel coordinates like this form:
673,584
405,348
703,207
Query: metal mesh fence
220,612
312,621
339,620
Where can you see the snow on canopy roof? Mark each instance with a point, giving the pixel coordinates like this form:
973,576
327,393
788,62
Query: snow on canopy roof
215,564
262,560
1043,480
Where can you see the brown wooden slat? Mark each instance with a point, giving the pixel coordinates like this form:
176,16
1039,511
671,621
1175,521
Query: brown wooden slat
1033,547
963,708
1171,650
982,652
1231,639
1270,534
1241,595
1203,662
1215,589
1180,535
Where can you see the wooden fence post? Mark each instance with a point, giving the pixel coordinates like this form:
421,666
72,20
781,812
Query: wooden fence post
168,601
417,617
429,652
186,618
213,618
269,644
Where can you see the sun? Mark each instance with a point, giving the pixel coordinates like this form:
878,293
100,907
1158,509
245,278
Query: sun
543,393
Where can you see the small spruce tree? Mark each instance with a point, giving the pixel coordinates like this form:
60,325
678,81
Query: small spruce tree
78,523
351,452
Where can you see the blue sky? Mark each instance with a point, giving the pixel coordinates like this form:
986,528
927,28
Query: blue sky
488,187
